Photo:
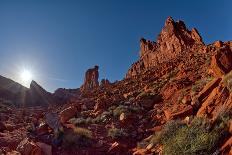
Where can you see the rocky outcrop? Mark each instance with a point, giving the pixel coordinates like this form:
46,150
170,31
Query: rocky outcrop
91,79
62,95
105,83
37,96
173,41
221,62
16,94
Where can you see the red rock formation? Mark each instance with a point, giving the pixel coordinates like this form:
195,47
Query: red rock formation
91,79
67,114
36,95
105,82
173,41
222,61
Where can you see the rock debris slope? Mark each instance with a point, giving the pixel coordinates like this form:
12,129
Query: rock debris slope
176,99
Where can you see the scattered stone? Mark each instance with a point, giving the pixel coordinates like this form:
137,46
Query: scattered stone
13,153
187,111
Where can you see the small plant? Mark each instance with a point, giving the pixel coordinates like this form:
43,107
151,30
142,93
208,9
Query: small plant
198,138
78,121
116,133
198,86
125,109
78,137
227,80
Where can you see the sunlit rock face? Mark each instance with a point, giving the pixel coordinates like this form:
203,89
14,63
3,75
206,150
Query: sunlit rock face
173,41
91,79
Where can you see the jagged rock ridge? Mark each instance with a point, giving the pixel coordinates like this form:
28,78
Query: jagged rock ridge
174,40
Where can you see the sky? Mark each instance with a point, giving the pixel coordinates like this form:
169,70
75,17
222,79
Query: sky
58,40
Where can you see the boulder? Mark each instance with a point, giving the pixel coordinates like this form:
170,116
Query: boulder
27,147
187,111
126,118
46,149
205,92
67,114
221,62
42,129
53,121
213,105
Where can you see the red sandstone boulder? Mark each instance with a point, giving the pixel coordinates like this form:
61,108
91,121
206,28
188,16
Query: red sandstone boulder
212,106
27,147
53,121
187,111
205,92
221,62
67,114
42,129
46,149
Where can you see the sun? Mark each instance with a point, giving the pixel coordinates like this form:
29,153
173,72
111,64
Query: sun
26,76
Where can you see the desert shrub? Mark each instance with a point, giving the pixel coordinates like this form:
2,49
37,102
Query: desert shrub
78,121
104,117
125,109
143,94
227,80
78,137
116,133
184,92
198,138
198,86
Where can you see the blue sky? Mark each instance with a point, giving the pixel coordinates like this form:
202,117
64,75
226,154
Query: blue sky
58,40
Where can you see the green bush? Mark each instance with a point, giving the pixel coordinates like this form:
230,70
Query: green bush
227,80
125,109
79,137
116,133
197,138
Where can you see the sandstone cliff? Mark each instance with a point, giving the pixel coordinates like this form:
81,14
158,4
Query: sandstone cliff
173,41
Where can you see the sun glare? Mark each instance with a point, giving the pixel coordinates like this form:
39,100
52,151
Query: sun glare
26,76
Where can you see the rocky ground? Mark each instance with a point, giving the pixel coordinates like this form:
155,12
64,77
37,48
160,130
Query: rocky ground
176,99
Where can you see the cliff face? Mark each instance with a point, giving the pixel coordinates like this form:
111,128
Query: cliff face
91,79
173,41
